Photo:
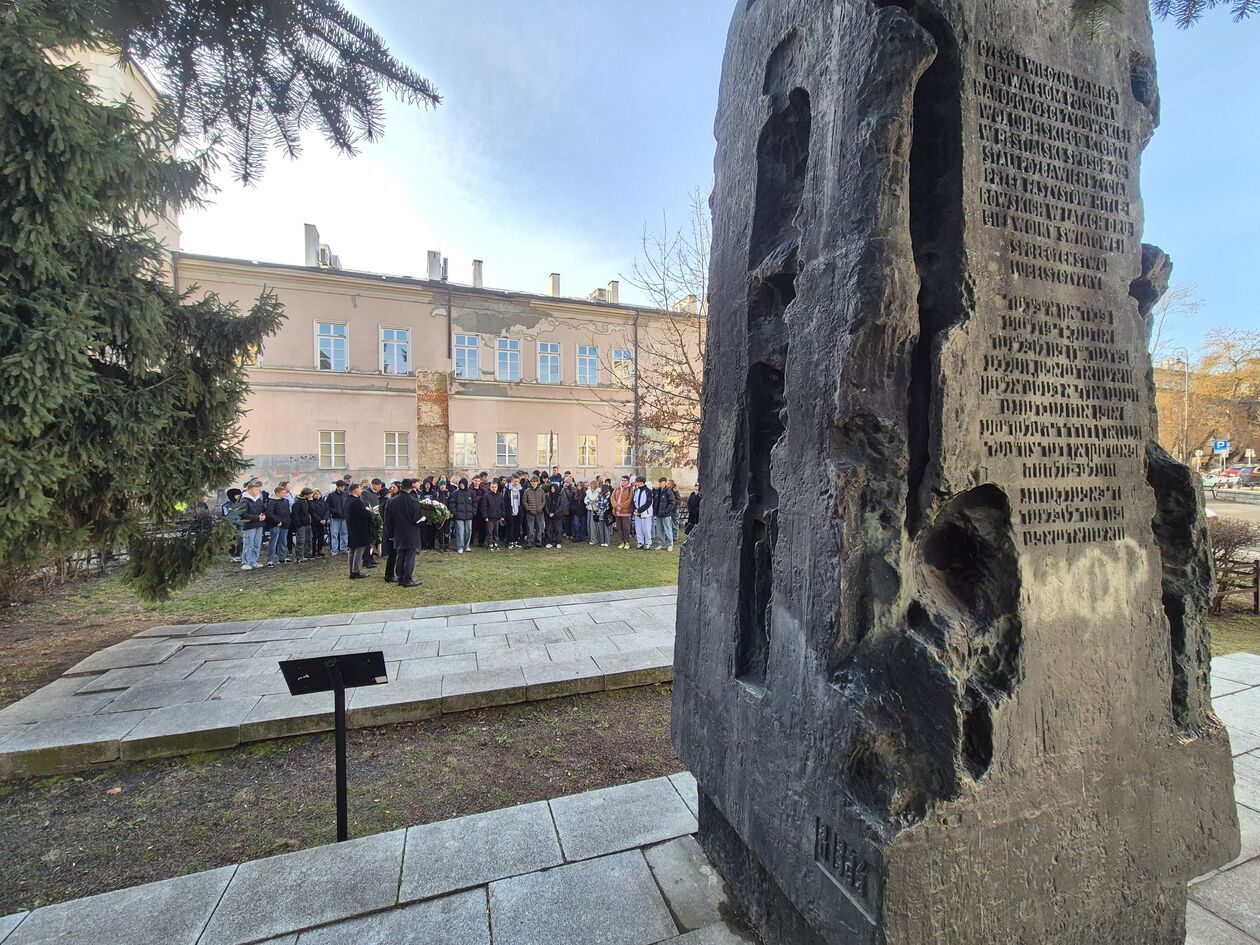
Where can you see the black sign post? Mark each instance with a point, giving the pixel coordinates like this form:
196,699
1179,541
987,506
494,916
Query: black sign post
337,672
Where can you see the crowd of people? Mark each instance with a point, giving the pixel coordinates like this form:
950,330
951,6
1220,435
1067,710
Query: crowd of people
397,520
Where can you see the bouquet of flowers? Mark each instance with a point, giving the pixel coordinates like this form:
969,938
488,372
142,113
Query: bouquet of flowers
434,513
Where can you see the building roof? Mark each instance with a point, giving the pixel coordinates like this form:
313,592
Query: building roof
432,285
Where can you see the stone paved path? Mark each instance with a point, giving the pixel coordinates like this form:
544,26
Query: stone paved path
194,687
617,866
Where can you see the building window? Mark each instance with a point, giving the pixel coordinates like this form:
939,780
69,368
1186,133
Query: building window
464,449
332,449
397,450
395,351
588,365
623,365
505,449
548,450
252,356
587,450
467,357
508,366
548,362
625,451
330,346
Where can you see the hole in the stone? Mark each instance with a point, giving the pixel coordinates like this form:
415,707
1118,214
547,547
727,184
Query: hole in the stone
977,745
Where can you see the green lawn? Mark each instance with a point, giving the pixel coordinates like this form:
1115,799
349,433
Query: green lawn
323,586
1232,633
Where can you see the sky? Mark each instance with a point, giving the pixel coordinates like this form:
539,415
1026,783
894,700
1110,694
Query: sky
568,126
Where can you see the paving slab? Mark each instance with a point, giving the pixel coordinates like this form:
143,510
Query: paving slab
156,695
39,710
321,620
621,818
441,610
383,616
299,890
608,901
615,614
646,640
723,933
610,628
59,688
580,650
349,630
230,626
474,644
462,919
1223,687
696,893
403,701
476,620
1203,928
437,666
1240,710
171,630
553,680
503,627
1231,895
237,686
1247,780
685,784
471,851
288,649
279,633
214,652
363,642
171,912
482,688
10,922
528,637
640,668
65,744
282,715
516,656
121,655
563,621
181,729
533,613
257,666
1249,829
1237,669
1241,742
597,597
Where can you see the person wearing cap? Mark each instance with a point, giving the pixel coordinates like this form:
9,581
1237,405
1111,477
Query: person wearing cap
337,517
402,523
301,526
643,501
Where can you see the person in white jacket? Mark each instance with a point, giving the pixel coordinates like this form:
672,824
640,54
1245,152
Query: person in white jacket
641,505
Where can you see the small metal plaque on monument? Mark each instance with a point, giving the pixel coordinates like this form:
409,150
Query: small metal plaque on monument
942,663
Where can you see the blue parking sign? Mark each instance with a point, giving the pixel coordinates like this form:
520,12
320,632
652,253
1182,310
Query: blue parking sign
1220,446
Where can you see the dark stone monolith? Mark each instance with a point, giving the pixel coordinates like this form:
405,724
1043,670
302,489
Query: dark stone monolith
942,666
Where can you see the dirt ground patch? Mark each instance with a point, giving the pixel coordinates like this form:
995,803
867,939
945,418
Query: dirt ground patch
67,836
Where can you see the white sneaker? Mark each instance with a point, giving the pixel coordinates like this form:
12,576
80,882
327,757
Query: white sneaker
604,545
548,544
459,551
247,567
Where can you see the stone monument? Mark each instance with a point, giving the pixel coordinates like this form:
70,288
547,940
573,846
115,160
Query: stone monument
942,667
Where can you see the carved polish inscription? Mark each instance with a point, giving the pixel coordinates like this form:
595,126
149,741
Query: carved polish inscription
1056,168
1060,386
844,866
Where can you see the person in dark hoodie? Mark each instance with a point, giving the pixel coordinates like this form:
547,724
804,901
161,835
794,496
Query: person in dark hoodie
319,523
253,521
301,525
358,530
336,501
664,508
557,514
693,509
492,504
280,515
464,510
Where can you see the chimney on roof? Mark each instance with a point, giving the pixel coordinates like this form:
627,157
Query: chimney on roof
312,244
434,268
599,295
555,284
478,281
686,304
614,291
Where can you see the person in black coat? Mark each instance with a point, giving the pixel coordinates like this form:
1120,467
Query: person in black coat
301,525
319,522
358,530
463,510
693,509
442,534
664,505
557,512
280,515
402,518
492,514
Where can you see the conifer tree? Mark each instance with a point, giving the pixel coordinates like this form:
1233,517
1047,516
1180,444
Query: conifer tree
119,396
1185,13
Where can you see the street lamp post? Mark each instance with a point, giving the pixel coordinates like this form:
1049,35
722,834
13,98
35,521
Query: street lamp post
1185,403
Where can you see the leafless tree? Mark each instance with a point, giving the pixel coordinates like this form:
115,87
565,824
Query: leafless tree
1180,301
656,401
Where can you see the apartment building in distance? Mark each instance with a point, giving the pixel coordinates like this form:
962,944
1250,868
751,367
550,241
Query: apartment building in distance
396,376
